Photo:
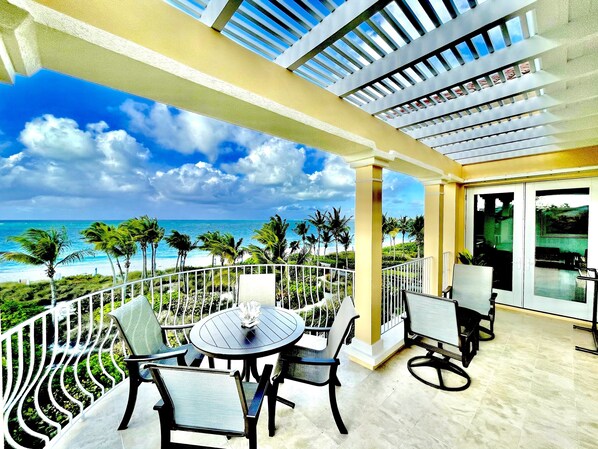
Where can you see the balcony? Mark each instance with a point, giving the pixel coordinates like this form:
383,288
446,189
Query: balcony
530,389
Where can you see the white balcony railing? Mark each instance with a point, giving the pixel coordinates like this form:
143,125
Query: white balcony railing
59,363
413,275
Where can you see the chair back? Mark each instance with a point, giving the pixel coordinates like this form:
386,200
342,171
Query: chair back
345,317
139,327
257,287
432,316
472,287
202,399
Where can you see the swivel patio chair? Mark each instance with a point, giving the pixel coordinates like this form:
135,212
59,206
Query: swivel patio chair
472,289
432,322
208,401
257,287
145,340
317,367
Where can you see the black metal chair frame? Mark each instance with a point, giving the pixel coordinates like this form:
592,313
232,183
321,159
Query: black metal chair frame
138,375
332,380
468,347
166,411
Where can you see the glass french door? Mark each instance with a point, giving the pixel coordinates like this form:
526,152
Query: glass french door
558,219
494,236
537,237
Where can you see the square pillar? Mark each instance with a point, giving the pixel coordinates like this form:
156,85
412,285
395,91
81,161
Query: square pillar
434,232
369,348
368,252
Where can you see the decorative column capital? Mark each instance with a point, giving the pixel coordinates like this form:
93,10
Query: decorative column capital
369,158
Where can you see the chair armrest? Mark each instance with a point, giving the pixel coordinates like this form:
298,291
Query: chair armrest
317,329
152,357
168,327
493,298
308,360
159,405
262,390
447,291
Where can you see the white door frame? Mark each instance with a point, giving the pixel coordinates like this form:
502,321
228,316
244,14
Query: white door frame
514,297
546,304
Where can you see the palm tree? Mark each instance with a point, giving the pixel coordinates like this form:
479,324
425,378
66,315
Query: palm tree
301,229
416,230
230,249
210,241
124,246
326,238
311,240
403,227
155,233
40,247
273,236
141,230
183,244
345,238
393,231
385,226
318,219
98,234
337,223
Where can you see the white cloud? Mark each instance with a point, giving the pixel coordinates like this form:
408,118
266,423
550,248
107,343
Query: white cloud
62,160
57,138
199,182
274,163
183,131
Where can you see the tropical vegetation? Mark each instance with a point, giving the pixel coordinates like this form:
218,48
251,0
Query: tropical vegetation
307,242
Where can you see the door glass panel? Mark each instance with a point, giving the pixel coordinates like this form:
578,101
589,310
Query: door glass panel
493,236
561,243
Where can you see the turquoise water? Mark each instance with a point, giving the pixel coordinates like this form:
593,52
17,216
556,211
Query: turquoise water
166,256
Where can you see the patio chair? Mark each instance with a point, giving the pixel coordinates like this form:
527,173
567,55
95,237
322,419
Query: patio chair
257,287
208,401
472,288
145,340
317,367
432,322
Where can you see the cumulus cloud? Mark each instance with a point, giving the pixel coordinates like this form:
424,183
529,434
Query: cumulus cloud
275,162
199,182
57,138
98,170
183,131
61,159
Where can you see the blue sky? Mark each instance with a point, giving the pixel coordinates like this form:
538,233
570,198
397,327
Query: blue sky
70,149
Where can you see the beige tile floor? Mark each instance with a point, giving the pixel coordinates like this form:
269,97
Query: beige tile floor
530,389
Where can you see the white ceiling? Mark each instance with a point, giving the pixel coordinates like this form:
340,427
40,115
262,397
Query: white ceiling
475,80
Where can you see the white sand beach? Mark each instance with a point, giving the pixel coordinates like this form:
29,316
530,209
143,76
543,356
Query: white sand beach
28,273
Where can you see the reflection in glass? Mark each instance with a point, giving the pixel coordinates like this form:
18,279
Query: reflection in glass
493,236
561,243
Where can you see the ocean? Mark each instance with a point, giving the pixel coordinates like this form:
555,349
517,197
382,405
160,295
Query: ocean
166,256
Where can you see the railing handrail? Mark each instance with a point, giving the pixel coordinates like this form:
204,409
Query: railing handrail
410,262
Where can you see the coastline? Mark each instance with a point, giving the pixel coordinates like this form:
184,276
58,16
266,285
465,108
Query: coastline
29,273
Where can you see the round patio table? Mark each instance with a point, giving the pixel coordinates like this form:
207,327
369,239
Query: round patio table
220,335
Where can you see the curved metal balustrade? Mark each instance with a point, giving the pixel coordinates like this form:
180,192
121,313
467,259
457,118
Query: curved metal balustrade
58,364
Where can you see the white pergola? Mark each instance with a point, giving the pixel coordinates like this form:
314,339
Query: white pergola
475,80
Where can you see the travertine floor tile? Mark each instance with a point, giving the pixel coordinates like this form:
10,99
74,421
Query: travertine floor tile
530,389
